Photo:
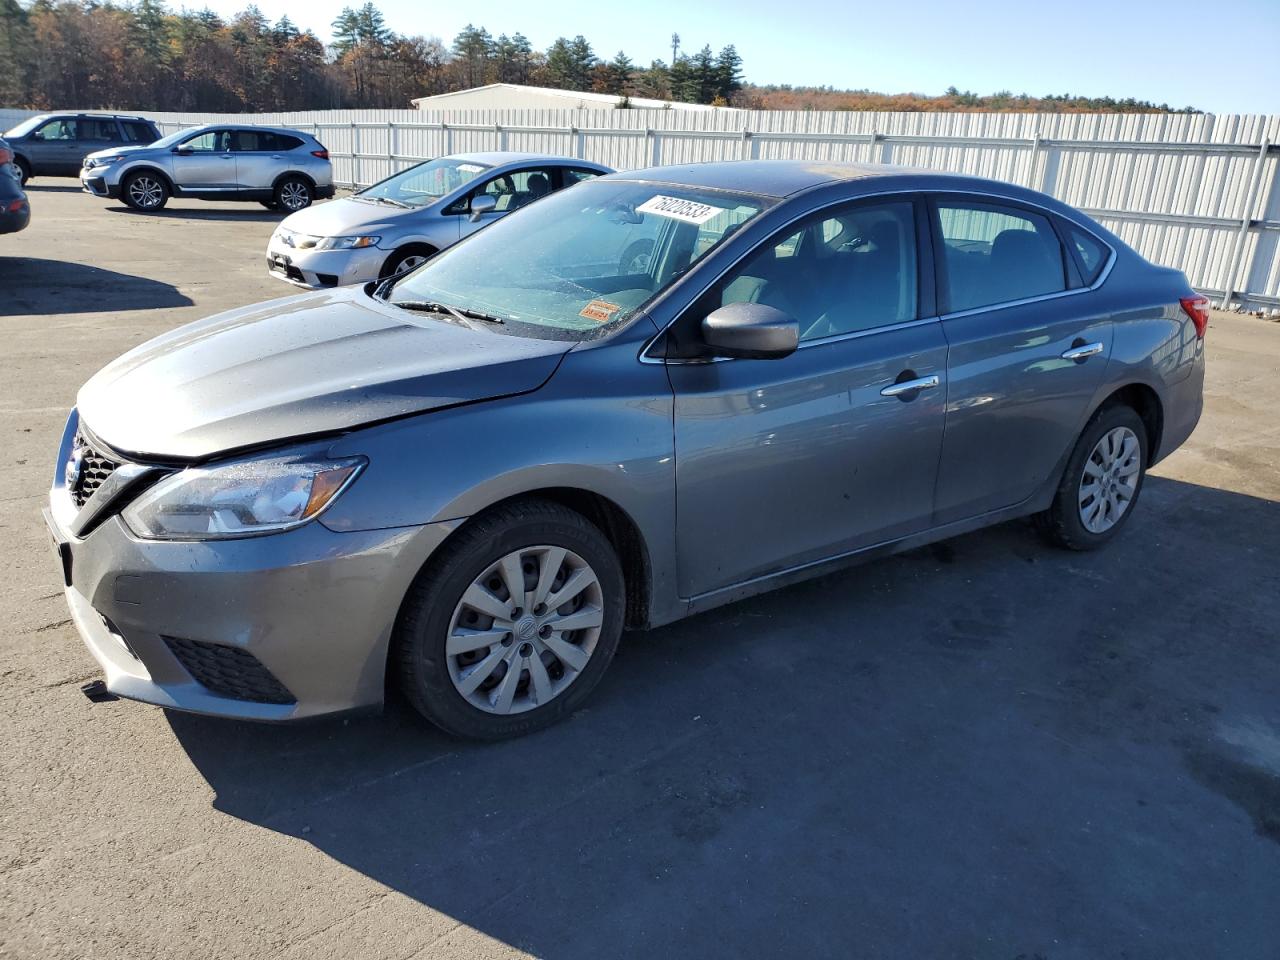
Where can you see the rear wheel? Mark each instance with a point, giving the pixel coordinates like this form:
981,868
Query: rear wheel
512,626
1101,483
145,191
293,193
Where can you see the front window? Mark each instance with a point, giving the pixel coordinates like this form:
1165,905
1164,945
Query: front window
211,141
425,183
58,130
581,259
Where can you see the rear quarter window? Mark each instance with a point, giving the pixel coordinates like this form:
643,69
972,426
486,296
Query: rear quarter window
1090,252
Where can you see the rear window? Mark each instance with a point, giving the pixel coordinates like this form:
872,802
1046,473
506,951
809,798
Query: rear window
137,132
998,254
1090,252
98,128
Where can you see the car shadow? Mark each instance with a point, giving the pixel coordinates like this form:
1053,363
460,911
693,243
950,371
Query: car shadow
249,213
29,285
976,749
38,185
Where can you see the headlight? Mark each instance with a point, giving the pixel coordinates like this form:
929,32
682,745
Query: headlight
240,499
101,161
346,243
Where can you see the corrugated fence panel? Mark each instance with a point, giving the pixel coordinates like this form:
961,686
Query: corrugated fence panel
1193,191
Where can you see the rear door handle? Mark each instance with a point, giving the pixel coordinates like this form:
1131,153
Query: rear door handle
911,386
1082,351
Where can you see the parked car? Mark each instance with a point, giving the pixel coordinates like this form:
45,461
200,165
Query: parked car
398,223
472,477
15,210
54,144
280,168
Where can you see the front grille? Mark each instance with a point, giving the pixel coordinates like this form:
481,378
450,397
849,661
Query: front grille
94,470
230,671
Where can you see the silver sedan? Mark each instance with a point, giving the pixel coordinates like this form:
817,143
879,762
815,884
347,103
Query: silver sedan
395,225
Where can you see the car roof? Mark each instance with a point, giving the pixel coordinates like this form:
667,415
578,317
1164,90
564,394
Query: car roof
782,178
231,125
86,113
497,158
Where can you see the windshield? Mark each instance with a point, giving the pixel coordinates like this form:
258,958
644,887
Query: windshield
173,138
582,258
26,126
426,182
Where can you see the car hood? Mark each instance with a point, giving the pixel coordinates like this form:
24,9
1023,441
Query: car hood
118,151
311,364
338,218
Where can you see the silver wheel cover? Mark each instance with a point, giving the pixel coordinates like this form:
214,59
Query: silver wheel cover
1109,479
410,262
524,630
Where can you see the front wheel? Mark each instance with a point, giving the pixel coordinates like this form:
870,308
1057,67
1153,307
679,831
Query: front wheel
24,171
145,191
1101,483
512,626
293,194
404,260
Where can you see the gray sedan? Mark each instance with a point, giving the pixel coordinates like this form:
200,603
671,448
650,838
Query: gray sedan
633,401
398,223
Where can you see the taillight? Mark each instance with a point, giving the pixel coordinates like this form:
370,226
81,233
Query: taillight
6,156
1197,308
322,154
15,206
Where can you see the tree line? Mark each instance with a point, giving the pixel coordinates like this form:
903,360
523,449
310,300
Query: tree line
145,55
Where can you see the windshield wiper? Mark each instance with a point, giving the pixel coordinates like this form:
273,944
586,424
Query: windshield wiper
458,313
394,203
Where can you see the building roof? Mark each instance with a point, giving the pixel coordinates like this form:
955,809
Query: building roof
571,98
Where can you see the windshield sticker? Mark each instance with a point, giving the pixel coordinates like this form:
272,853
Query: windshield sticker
599,310
469,168
690,211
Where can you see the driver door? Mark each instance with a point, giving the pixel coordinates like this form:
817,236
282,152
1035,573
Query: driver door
785,462
55,148
205,163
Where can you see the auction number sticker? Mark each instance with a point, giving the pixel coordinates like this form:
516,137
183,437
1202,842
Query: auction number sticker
690,211
469,168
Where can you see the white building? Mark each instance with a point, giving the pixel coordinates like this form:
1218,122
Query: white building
513,96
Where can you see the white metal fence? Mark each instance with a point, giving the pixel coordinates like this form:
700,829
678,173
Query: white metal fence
1193,191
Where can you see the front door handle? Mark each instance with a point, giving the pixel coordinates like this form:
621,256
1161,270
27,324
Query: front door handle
1082,351
911,387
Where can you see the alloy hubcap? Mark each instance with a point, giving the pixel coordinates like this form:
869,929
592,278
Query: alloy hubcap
1110,479
410,262
293,196
525,629
145,192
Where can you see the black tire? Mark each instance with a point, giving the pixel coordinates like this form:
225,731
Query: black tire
148,200
270,204
24,170
401,260
293,194
1062,524
418,660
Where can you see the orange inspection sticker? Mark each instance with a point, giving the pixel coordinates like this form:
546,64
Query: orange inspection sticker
599,310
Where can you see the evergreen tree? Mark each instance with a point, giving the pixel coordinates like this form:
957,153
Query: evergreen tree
728,73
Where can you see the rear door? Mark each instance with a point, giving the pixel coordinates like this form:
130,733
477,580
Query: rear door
260,158
1028,346
205,163
96,133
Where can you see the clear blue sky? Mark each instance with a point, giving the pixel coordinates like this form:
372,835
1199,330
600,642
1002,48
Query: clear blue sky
1222,56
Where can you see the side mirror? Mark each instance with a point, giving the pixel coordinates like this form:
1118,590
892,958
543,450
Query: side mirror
481,204
183,151
750,331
